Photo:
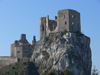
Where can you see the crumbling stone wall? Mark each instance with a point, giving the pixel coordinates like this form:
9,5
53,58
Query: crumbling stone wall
66,19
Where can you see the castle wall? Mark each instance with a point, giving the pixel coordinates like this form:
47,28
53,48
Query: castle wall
18,51
74,21
63,20
6,60
24,59
25,51
47,23
42,27
51,25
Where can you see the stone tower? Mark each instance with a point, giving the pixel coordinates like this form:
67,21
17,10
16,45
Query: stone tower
20,48
34,40
66,19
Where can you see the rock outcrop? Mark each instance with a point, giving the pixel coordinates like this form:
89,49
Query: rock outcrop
57,51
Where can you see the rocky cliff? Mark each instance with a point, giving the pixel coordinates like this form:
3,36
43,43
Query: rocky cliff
60,50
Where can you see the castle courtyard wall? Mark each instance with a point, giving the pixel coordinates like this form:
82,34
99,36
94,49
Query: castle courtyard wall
12,50
6,60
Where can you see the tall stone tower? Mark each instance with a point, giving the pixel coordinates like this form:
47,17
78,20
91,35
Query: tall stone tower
66,19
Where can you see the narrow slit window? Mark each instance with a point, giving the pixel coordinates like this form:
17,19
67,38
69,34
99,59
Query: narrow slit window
42,27
65,22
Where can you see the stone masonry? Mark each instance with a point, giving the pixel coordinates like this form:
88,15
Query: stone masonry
66,19
20,48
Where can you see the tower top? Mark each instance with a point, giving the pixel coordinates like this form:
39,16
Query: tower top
23,36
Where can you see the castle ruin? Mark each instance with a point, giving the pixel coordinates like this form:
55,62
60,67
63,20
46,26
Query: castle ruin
20,48
66,19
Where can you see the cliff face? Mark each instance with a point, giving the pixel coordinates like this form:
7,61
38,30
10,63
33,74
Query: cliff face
58,51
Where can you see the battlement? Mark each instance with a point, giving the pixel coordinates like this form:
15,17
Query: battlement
63,11
16,43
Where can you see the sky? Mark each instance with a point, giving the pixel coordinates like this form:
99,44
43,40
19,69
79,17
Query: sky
22,17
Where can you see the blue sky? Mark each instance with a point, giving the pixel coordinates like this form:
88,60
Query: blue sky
22,16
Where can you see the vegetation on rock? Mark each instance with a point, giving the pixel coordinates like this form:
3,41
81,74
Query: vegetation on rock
64,32
65,72
50,73
19,68
16,69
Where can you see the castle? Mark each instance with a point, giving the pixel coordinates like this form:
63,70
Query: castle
66,19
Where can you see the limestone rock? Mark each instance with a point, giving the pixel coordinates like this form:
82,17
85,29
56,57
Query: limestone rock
58,51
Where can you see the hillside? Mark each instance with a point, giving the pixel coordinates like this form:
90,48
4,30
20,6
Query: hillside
20,68
55,52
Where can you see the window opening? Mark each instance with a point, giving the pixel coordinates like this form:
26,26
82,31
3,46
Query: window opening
42,27
72,16
72,23
65,22
18,51
64,16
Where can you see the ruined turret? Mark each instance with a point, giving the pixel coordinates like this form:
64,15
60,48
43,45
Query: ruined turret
34,40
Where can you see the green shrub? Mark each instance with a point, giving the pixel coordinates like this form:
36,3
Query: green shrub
65,72
50,73
64,32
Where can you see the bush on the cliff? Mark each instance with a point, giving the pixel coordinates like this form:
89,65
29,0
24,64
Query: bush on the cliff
65,72
50,73
64,32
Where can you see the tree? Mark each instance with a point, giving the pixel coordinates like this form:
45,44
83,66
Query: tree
95,71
